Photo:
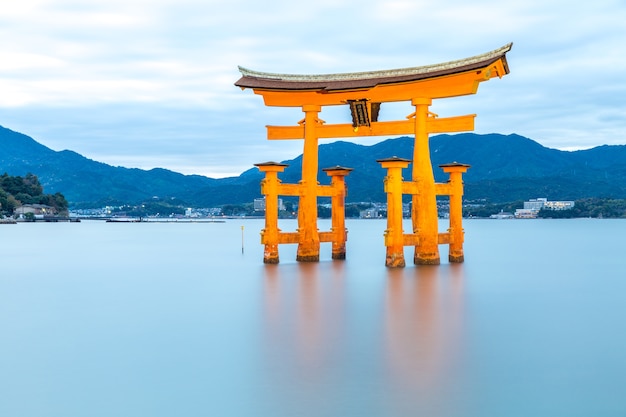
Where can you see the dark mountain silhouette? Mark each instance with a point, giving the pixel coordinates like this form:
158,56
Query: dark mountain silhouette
504,168
83,180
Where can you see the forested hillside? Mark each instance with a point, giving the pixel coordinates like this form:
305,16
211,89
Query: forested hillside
503,168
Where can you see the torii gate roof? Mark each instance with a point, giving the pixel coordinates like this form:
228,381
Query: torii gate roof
446,79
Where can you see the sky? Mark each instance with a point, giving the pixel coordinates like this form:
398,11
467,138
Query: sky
150,83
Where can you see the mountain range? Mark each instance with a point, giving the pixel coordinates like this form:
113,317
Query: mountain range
503,168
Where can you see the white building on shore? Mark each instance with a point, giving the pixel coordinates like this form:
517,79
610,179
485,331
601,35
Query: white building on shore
534,205
259,204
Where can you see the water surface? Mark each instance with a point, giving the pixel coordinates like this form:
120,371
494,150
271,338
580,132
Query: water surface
162,319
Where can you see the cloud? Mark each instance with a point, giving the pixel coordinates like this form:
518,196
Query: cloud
147,84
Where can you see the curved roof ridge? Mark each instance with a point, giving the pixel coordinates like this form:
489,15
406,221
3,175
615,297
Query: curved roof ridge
496,53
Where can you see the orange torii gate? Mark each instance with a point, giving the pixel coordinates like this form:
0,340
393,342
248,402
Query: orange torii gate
364,93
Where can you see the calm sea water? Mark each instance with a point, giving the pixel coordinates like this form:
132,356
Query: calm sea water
153,319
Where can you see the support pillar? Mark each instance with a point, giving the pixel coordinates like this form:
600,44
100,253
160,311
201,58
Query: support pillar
456,171
338,210
309,243
394,235
424,212
269,187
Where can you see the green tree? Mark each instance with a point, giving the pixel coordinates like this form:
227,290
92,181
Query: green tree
237,209
31,185
323,212
11,204
353,211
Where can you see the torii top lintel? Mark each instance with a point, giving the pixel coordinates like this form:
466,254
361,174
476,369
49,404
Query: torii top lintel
449,79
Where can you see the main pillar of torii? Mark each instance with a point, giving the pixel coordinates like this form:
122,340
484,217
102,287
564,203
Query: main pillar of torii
364,93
